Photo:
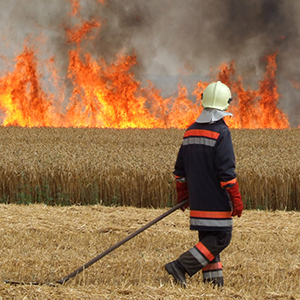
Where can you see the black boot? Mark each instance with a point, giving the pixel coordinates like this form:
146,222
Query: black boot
177,271
216,282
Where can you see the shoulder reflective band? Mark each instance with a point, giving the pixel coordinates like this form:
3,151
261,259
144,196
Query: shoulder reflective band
198,141
200,137
202,133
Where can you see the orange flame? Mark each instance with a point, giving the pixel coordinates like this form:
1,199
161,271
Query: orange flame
75,7
255,109
109,95
76,34
22,99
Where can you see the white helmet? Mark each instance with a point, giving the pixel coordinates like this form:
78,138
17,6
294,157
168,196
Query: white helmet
216,95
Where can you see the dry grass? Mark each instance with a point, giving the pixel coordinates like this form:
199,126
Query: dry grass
134,167
44,243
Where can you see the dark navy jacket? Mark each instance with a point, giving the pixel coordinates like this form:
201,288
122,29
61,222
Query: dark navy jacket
206,159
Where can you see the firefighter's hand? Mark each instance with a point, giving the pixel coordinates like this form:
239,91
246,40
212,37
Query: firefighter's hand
183,208
236,200
182,193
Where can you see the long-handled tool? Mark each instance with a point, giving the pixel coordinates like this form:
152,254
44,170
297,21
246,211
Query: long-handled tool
112,248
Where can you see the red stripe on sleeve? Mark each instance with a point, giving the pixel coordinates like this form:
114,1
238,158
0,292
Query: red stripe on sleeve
233,181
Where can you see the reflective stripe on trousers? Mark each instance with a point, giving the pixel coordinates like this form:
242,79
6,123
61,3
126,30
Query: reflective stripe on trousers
213,272
211,243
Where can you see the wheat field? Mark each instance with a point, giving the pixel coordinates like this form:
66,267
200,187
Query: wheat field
133,167
46,243
125,177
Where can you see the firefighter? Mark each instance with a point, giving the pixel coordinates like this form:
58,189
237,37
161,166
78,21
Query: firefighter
205,174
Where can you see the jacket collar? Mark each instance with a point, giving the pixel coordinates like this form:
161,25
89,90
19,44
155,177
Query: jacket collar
211,115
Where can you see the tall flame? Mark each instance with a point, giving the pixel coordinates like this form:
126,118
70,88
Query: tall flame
109,95
255,108
21,96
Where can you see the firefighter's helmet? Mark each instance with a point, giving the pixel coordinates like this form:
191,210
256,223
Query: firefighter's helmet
216,95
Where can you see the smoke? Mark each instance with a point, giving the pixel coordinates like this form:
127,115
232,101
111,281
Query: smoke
171,38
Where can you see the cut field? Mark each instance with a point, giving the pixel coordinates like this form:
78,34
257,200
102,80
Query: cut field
46,243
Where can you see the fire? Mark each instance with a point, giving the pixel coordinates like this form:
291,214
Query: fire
108,95
78,33
22,99
255,108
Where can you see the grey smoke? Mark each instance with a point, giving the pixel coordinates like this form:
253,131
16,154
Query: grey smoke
167,35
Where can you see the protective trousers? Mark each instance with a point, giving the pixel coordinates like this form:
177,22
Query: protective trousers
205,256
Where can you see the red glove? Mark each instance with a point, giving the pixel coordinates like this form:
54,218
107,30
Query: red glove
236,200
182,193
